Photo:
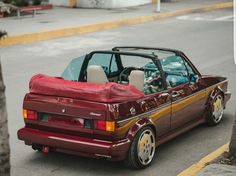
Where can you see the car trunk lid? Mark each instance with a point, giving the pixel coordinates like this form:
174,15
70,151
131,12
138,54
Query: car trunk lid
63,115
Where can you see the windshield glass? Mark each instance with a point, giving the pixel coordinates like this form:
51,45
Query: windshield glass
72,71
106,61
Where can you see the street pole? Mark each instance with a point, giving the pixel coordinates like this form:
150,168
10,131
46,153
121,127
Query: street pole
158,5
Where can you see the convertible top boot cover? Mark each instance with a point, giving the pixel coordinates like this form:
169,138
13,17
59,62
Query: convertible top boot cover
107,93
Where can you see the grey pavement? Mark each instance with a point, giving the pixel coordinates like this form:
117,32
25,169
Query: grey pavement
206,41
60,17
218,170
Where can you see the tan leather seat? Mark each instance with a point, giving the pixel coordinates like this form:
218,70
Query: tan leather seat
136,78
95,74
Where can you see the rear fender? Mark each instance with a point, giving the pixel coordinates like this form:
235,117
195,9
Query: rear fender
138,126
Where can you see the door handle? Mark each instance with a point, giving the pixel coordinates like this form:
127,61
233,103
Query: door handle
175,94
163,95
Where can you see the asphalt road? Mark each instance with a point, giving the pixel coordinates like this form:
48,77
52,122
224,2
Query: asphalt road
206,38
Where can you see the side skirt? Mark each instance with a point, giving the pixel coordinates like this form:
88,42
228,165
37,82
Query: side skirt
173,133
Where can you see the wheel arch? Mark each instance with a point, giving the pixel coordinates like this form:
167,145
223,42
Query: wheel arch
209,106
217,90
140,124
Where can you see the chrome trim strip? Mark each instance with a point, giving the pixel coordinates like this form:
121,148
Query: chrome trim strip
217,84
189,96
170,103
199,91
145,113
103,156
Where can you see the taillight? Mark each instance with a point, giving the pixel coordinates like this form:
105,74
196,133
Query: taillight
104,125
28,114
110,126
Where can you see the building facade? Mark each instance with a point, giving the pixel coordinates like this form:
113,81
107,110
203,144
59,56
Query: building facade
99,3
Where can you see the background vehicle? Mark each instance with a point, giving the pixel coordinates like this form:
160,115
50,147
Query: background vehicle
121,104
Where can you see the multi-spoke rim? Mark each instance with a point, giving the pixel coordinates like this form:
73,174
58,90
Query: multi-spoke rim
146,147
218,109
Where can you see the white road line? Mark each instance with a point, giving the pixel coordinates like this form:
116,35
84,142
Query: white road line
206,18
199,19
185,17
224,18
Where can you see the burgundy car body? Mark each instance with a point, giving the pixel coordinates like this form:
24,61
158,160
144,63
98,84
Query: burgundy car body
169,113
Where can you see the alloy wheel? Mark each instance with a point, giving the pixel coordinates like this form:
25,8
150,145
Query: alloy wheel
218,109
146,147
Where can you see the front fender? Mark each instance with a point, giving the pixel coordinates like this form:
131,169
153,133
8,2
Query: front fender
212,96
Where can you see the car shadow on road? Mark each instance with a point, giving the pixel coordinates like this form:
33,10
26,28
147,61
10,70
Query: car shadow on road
60,163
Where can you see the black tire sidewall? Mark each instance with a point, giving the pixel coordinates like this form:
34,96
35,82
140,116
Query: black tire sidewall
132,156
210,117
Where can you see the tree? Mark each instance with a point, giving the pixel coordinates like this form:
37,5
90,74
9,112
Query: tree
4,136
7,8
232,146
3,34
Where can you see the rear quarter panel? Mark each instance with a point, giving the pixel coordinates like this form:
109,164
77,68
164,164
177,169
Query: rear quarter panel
130,117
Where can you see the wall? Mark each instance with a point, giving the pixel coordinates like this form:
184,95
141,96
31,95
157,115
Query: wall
100,3
59,2
110,3
127,3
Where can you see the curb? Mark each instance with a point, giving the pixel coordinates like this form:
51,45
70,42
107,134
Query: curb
65,32
197,167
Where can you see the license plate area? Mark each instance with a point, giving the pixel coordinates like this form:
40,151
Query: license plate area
61,120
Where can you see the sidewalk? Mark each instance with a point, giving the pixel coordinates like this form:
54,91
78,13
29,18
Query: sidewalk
61,22
60,17
218,170
206,167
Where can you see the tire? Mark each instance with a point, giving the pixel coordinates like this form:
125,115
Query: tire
142,149
216,111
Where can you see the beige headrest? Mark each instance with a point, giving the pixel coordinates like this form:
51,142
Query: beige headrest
136,78
95,74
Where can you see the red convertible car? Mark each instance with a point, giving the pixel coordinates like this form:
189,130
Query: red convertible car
120,104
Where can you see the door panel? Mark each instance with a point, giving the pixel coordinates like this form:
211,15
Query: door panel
187,107
161,117
187,94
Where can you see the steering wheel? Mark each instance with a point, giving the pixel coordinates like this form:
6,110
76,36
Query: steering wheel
124,74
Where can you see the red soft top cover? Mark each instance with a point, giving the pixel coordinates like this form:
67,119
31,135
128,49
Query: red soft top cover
106,93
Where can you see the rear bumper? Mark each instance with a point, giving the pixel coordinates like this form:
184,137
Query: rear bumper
76,145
